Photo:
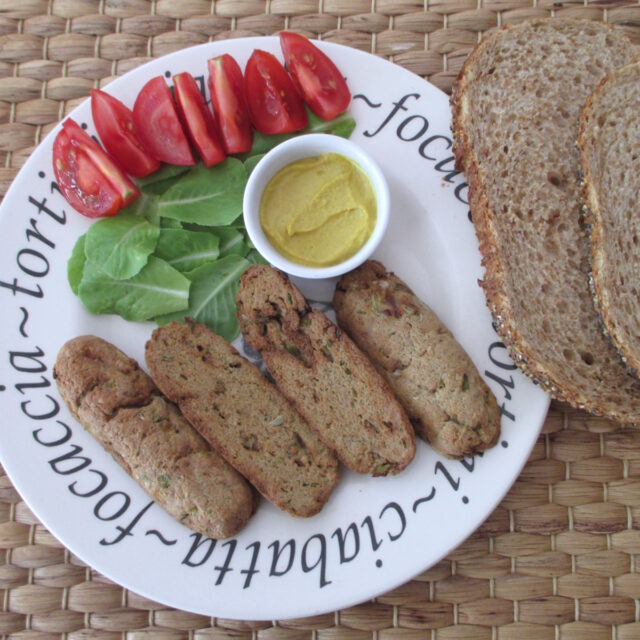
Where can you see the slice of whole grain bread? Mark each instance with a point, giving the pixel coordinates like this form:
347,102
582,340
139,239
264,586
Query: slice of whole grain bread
242,416
324,374
609,143
516,108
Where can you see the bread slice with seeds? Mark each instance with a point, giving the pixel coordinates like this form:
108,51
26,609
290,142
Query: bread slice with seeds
324,374
610,159
119,405
516,110
242,416
449,404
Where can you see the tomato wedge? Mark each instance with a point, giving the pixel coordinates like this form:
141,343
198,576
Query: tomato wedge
88,178
198,120
103,162
229,104
157,124
317,79
114,122
80,182
274,103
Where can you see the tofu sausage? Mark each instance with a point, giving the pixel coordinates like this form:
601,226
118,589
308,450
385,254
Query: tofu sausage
449,403
119,405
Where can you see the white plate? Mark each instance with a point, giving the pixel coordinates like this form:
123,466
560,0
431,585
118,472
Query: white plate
374,534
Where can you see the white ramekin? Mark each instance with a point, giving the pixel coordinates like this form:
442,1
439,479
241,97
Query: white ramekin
297,148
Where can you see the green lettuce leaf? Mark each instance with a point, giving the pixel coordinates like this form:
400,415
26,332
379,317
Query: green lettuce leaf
145,206
207,196
251,162
187,250
159,181
169,223
255,258
232,242
342,125
157,289
121,245
212,298
75,264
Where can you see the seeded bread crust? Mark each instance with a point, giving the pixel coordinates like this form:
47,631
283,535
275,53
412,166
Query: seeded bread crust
119,405
326,377
516,106
448,402
610,163
242,416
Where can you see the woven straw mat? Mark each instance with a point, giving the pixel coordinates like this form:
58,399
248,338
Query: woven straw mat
556,560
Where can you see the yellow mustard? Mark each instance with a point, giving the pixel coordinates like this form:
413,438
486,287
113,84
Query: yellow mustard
319,211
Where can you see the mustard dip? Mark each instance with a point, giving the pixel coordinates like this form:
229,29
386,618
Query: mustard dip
319,211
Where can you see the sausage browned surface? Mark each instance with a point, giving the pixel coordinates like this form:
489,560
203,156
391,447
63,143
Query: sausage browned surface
447,400
243,416
119,405
324,374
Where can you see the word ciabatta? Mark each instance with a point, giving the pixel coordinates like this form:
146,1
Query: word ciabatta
516,110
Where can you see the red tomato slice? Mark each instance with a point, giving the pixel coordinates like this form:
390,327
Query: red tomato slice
274,103
80,139
198,120
114,122
81,183
318,80
156,122
229,104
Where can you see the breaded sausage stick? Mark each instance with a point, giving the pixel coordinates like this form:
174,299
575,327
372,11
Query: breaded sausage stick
119,405
324,374
448,402
242,416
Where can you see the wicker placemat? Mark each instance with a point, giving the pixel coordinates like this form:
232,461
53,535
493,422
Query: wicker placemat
556,560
